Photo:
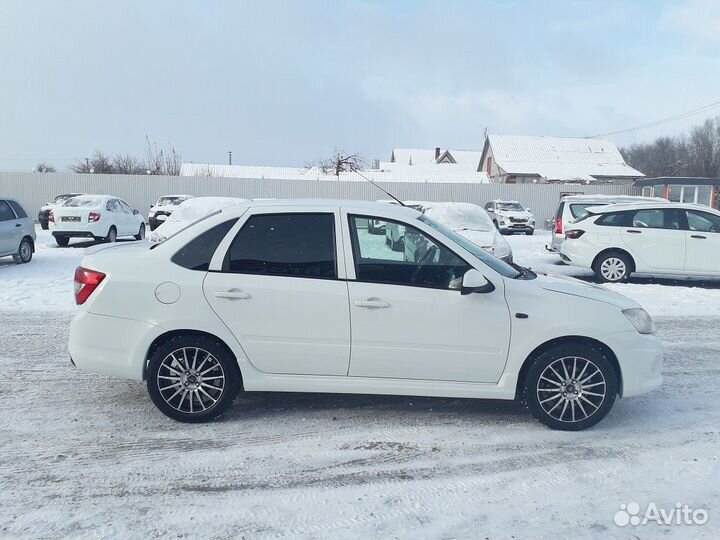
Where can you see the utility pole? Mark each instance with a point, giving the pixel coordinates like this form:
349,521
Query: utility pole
229,157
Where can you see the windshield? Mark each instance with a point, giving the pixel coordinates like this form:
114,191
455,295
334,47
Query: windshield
77,202
461,217
501,267
511,206
171,201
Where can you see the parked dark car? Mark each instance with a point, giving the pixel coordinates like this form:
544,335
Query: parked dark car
44,214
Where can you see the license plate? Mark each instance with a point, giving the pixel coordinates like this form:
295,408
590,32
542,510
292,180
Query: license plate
70,218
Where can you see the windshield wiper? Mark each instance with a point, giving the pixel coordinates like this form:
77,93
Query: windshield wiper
525,273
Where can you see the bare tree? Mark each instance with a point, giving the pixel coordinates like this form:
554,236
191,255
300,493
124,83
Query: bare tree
160,161
340,162
128,164
43,167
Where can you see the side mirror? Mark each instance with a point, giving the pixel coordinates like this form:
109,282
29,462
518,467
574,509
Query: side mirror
474,282
152,206
136,212
528,209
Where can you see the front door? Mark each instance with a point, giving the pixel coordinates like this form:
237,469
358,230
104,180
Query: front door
657,239
703,242
280,294
409,320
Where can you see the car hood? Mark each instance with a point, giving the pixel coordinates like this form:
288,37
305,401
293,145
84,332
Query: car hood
169,209
483,239
576,287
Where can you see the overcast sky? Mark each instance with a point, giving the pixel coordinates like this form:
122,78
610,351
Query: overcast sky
282,83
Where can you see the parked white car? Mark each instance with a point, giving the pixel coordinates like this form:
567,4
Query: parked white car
190,211
660,239
510,217
573,207
163,208
296,296
472,222
100,217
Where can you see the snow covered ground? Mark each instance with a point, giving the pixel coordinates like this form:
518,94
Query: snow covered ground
85,456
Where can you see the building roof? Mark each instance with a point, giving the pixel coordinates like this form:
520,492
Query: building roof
559,158
428,174
412,157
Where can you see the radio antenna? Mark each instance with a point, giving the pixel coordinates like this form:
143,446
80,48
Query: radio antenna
393,197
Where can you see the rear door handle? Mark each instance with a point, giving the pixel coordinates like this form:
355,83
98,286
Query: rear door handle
698,236
634,232
372,303
232,295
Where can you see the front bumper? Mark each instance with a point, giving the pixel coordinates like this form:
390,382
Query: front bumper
640,357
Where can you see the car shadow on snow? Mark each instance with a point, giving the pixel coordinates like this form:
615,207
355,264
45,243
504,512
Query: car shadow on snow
88,243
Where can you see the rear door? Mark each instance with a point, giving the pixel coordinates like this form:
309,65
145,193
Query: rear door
703,242
7,229
281,290
656,238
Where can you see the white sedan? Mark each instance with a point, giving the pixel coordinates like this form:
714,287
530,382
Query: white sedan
296,296
98,217
472,222
648,238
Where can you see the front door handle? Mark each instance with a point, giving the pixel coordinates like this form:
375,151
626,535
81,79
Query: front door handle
634,232
372,303
232,295
698,236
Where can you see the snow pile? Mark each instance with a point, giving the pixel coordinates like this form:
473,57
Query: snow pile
189,212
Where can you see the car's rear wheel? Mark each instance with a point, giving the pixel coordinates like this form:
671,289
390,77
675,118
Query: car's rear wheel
192,378
613,267
111,235
62,241
141,233
530,232
24,253
571,387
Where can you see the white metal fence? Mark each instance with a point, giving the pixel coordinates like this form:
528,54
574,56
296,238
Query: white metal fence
140,191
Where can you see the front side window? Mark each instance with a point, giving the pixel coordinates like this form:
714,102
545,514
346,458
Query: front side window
703,221
289,245
416,260
6,213
657,219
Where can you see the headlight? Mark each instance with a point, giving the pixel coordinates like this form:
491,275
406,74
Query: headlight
640,319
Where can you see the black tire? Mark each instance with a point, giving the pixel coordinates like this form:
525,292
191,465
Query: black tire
613,267
111,235
24,253
530,232
44,225
221,362
62,241
141,233
577,409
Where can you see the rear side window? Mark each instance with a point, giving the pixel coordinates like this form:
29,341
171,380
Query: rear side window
6,213
18,209
290,245
197,254
613,219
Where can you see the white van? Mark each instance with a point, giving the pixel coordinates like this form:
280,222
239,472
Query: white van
573,207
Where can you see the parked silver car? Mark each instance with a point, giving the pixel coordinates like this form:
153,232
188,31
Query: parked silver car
17,232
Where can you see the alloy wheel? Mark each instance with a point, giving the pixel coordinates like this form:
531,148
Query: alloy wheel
191,380
571,389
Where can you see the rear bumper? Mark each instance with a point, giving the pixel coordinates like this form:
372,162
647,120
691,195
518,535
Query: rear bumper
640,358
110,345
74,234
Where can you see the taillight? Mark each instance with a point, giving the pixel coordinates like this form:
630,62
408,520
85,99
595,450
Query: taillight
51,217
574,234
93,217
86,281
558,226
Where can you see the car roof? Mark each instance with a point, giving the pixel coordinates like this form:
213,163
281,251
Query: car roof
609,198
649,205
367,206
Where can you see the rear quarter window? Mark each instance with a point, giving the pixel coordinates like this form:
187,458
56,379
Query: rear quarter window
613,219
197,254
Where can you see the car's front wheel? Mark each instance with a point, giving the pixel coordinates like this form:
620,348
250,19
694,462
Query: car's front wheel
613,267
192,378
24,253
570,387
